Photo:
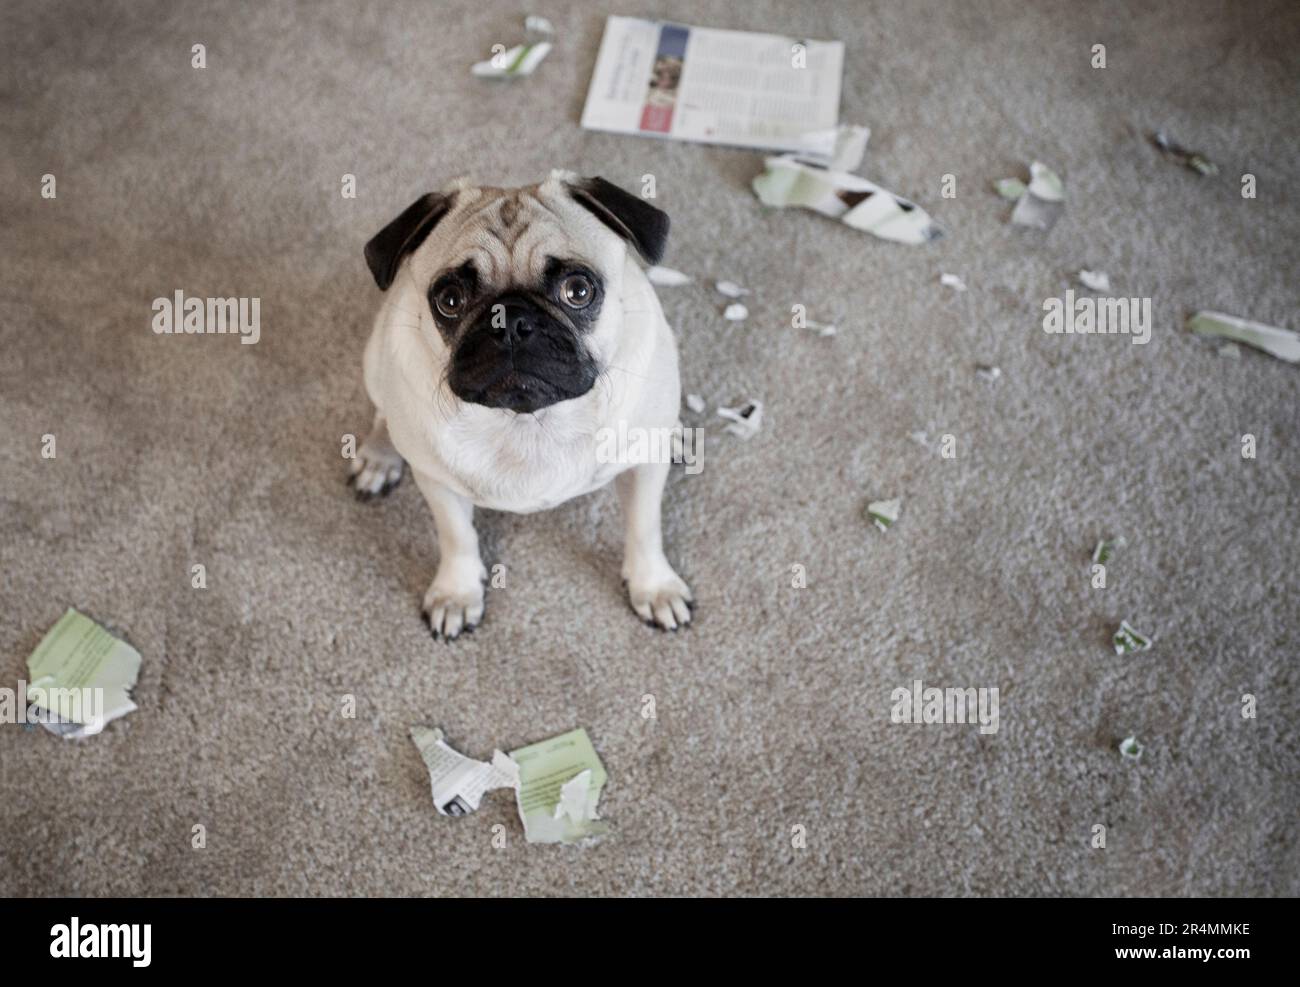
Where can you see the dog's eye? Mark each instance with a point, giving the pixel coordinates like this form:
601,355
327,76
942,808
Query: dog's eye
577,291
450,301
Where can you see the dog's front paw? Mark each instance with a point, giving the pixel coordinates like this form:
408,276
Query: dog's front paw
454,603
658,595
376,470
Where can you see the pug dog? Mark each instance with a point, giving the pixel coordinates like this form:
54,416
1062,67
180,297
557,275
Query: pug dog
516,325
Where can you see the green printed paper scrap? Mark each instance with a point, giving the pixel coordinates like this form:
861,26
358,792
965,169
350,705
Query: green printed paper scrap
82,674
559,785
1128,640
1281,343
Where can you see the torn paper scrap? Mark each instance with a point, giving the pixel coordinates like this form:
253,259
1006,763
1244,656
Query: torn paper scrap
745,420
987,372
1010,188
1130,748
952,281
1038,204
883,513
1231,350
560,781
1189,159
80,677
1128,640
821,328
666,277
695,403
838,149
730,289
521,60
1098,281
735,312
854,201
1105,550
1281,343
459,782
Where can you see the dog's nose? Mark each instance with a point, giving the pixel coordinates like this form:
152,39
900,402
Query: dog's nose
517,323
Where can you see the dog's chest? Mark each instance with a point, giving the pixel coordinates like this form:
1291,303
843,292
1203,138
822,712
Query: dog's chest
526,465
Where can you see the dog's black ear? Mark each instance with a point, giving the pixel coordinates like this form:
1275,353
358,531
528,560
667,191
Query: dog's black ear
628,215
387,248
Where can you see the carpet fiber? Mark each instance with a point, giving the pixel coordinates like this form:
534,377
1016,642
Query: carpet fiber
773,712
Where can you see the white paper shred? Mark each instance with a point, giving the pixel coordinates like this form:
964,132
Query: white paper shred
1281,343
735,312
695,403
745,420
1194,160
952,281
521,60
884,513
666,277
1128,639
730,289
1038,204
856,202
988,372
1098,281
1130,748
459,782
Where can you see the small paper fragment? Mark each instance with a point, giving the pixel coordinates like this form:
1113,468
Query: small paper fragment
1130,748
459,782
884,513
988,372
838,149
1105,549
1129,640
1038,204
745,420
952,281
521,60
560,781
1098,281
1281,343
821,328
735,312
666,277
1010,188
695,403
730,289
80,677
856,202
1231,350
1194,160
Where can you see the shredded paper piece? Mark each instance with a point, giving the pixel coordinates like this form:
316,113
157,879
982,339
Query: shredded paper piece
560,781
80,677
666,277
854,201
987,372
745,420
952,281
730,289
695,403
1281,343
883,513
1128,639
735,312
1105,550
838,149
821,328
459,782
1038,204
521,60
1130,748
1098,281
1189,159
557,783
1231,350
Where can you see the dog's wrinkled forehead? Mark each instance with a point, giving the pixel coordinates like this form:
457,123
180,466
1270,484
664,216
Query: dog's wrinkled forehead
512,235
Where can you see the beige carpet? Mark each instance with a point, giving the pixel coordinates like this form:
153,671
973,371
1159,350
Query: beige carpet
773,712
